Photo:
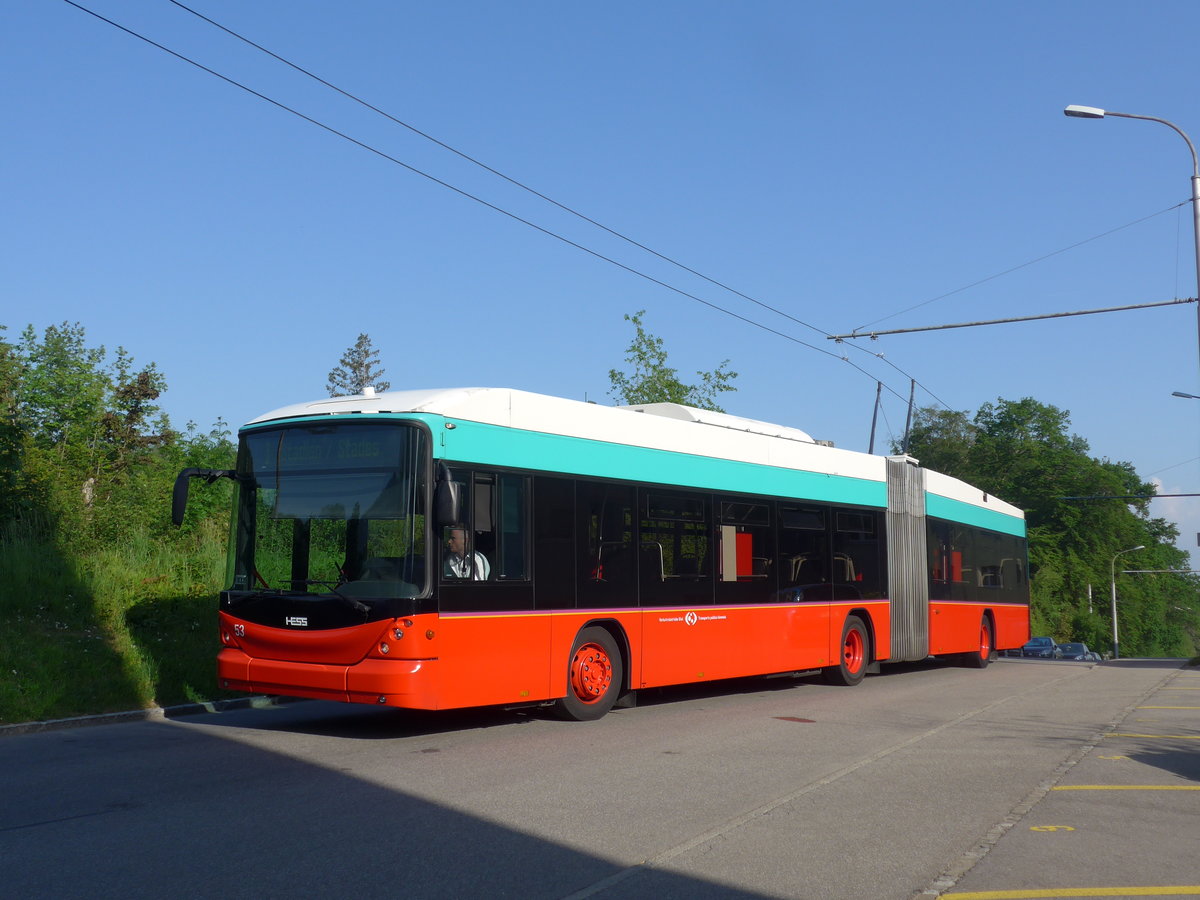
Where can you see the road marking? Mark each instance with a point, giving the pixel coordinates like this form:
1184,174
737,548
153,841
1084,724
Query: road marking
660,860
1169,707
943,885
1171,737
1182,890
1051,827
1127,787
1114,757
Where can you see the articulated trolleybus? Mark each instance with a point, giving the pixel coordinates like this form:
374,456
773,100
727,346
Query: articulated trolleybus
484,546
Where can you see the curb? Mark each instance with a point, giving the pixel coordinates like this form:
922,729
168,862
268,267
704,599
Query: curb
147,715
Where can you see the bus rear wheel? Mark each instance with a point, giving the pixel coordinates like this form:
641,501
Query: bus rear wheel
854,654
594,676
980,658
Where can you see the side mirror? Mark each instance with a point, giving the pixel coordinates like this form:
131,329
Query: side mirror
447,498
180,494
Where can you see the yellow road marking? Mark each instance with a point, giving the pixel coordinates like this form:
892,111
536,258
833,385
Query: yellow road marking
1182,890
1051,827
1127,787
1169,707
1173,737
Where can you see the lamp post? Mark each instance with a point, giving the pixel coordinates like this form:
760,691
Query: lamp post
1112,573
1091,112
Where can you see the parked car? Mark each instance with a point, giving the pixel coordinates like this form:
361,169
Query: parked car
1041,648
1077,651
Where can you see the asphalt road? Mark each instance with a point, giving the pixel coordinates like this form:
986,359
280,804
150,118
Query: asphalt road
925,780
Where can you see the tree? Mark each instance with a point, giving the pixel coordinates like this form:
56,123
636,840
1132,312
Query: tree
63,387
941,440
653,381
357,369
10,431
80,438
1022,452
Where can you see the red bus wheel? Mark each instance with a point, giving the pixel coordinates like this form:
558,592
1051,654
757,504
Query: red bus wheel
978,659
594,676
853,657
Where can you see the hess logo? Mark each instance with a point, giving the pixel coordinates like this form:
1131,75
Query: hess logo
296,621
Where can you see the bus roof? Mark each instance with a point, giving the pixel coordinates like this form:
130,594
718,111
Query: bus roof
662,426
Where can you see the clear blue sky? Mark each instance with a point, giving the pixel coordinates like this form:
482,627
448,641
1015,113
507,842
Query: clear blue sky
839,162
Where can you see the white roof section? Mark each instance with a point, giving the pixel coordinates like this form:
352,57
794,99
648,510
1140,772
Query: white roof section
720,420
661,426
953,489
438,401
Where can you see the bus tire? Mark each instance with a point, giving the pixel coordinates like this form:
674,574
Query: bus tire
980,658
854,653
594,676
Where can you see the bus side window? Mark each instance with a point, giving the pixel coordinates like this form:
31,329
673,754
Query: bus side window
493,544
745,541
511,561
803,545
676,548
857,553
606,563
554,542
500,524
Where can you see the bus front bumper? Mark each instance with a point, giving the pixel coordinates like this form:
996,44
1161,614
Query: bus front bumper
406,683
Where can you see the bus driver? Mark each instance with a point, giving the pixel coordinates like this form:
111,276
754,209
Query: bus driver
457,563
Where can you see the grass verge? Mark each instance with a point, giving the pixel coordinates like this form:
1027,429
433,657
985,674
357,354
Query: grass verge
116,629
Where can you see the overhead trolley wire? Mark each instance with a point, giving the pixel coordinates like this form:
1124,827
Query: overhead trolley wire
1023,265
534,191
495,172
282,106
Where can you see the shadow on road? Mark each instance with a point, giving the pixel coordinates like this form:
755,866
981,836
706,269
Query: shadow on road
146,810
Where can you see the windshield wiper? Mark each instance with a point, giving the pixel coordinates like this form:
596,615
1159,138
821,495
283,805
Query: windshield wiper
356,605
235,597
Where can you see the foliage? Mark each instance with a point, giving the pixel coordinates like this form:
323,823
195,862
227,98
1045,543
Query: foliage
653,381
1023,452
87,460
358,368
10,431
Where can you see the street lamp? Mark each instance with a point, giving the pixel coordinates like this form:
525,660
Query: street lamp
1091,112
1112,572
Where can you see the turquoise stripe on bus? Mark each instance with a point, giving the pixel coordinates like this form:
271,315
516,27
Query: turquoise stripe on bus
490,444
956,511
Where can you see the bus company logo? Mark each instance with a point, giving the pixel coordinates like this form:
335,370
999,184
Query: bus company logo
296,621
691,618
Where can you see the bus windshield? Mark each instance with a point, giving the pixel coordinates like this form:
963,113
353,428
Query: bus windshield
332,509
